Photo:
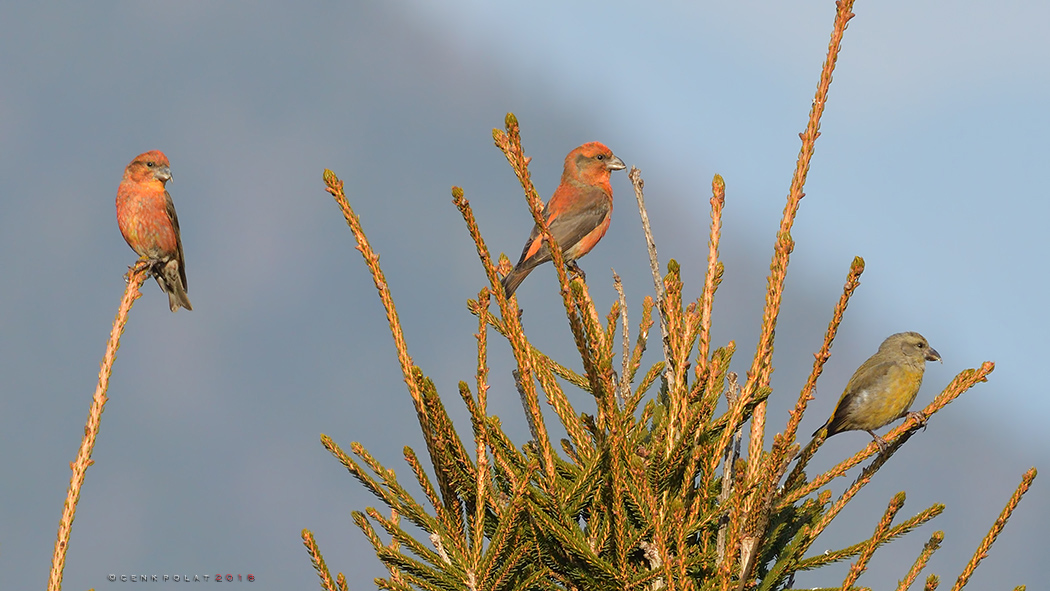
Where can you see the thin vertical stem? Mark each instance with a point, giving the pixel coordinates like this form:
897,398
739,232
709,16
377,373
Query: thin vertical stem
136,275
478,532
714,270
661,296
784,243
624,392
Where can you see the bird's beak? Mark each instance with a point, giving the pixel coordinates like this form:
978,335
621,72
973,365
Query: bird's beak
615,164
932,355
162,173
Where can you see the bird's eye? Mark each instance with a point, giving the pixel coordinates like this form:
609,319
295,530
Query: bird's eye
601,156
150,164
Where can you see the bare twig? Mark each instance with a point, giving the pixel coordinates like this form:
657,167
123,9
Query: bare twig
661,296
731,453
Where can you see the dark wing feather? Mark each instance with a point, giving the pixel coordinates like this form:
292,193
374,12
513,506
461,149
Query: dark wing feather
567,229
170,207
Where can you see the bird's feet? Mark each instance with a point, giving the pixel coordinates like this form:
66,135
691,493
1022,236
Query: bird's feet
142,264
920,419
576,271
879,442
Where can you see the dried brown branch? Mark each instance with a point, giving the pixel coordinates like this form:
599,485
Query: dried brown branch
661,295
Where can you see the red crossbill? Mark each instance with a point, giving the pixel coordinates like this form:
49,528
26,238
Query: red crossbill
147,221
883,387
578,213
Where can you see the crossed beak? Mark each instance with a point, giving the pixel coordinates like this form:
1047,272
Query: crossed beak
615,164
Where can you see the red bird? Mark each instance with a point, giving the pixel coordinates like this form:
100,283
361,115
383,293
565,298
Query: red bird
578,213
147,220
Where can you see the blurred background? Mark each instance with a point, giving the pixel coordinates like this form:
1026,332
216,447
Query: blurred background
932,166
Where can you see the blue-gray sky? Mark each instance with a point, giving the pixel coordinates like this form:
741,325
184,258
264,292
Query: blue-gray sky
931,166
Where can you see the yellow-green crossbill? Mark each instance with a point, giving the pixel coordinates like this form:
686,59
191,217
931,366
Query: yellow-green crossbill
883,387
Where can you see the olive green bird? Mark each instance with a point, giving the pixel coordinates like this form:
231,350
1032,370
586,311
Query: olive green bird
883,388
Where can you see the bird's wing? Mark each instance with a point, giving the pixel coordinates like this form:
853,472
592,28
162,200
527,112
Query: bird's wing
170,208
568,228
865,383
869,377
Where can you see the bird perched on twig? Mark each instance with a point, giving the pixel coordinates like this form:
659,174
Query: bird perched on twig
147,221
578,214
883,387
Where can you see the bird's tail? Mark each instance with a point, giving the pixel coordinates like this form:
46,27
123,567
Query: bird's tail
514,279
169,278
